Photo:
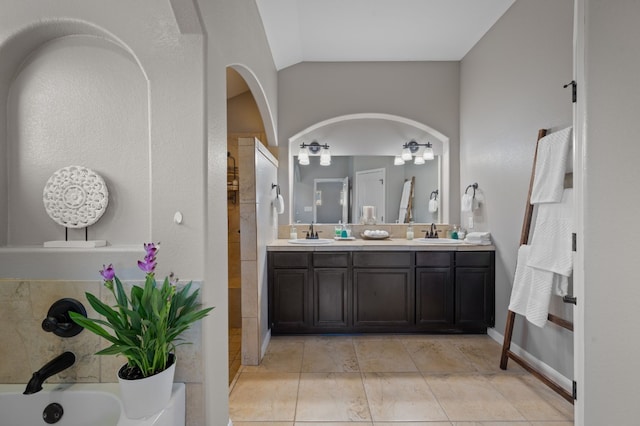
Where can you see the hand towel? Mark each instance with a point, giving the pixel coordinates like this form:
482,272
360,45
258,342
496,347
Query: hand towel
531,290
551,166
433,206
466,204
551,241
480,238
278,204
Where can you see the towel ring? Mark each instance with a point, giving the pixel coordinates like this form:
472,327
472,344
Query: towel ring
474,186
433,195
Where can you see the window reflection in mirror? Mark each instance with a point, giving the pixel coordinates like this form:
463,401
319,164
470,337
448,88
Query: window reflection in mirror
306,177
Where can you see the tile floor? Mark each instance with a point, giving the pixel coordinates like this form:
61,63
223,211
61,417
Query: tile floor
384,380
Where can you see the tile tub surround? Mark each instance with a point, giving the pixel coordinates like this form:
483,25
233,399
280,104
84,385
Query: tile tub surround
434,381
25,347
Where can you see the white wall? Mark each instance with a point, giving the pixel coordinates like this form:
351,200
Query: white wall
511,86
235,37
427,92
611,208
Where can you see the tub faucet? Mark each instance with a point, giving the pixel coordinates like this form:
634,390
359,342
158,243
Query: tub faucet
56,365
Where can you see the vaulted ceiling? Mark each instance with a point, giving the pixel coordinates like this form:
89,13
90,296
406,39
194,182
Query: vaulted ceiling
375,30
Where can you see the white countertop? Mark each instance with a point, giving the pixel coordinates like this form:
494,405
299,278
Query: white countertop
389,244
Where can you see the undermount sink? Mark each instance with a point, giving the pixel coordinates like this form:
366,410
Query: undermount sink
311,241
438,241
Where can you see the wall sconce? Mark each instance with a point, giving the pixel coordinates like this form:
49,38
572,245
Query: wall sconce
410,149
314,148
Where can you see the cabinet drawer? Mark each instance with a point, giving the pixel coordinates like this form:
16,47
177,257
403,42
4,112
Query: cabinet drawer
331,260
434,258
476,258
290,259
382,259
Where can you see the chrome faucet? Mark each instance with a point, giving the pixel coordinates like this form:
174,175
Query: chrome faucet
56,365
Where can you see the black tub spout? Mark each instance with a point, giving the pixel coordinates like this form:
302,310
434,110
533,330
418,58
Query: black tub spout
56,365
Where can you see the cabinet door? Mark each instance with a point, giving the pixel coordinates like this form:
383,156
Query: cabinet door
330,298
383,298
434,296
289,299
474,297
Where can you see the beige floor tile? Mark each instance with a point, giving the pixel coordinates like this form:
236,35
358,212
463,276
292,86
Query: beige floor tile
335,424
528,398
263,424
551,423
383,356
331,397
412,424
283,355
491,424
438,356
329,355
264,397
484,353
401,397
471,397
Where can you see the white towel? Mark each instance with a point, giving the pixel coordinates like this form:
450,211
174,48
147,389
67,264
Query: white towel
433,206
404,200
551,166
466,204
531,290
278,204
551,241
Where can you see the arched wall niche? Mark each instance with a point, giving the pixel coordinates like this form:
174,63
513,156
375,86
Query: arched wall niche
406,128
71,93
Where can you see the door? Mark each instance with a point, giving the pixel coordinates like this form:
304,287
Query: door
370,191
330,200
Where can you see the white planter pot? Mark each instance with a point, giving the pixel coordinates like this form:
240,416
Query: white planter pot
144,397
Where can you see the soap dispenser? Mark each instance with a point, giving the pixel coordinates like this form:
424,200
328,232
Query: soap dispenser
410,231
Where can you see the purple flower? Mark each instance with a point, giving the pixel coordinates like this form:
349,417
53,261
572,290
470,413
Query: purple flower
151,249
148,265
107,272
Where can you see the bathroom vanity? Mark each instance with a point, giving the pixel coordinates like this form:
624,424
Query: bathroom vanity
390,286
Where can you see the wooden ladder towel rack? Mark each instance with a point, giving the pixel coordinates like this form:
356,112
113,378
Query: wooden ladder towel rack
511,316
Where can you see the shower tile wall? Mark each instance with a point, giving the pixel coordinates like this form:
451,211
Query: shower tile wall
233,214
25,347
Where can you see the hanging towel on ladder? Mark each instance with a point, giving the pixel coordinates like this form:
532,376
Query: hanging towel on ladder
551,165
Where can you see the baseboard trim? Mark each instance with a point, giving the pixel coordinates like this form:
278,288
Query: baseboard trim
265,344
541,366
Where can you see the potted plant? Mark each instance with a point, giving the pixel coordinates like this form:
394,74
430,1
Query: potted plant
145,327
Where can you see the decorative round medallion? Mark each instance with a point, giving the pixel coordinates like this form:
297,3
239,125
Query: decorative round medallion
75,197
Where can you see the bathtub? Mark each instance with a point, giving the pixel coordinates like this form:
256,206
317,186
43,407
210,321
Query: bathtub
83,404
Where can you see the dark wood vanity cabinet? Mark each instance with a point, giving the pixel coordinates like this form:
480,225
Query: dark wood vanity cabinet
377,291
434,290
383,291
475,289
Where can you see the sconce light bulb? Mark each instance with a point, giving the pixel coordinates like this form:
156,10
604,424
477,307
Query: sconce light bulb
428,153
406,154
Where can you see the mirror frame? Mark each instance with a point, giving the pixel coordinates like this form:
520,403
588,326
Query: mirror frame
444,140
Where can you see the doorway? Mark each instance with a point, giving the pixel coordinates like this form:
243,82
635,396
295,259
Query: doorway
370,190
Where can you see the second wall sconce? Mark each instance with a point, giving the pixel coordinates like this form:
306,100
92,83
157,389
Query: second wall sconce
314,148
410,149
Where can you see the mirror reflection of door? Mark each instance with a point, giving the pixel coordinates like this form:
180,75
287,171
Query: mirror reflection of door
370,191
330,200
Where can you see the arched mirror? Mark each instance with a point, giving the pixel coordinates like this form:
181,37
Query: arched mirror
364,150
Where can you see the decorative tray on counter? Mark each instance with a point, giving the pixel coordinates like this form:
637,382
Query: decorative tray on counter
374,235
344,238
